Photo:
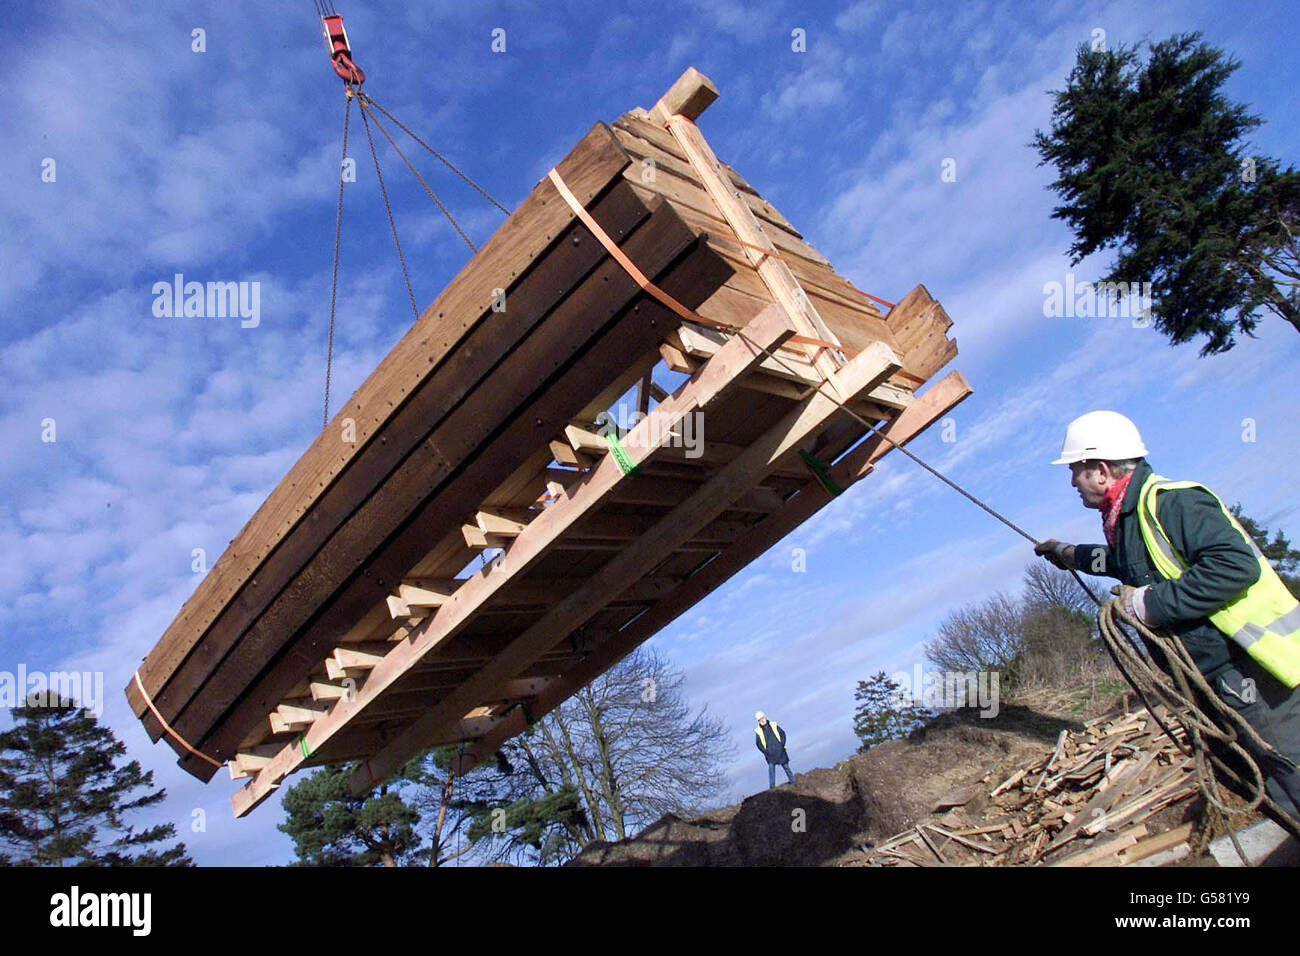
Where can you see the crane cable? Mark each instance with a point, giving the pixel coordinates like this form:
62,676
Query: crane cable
368,105
334,275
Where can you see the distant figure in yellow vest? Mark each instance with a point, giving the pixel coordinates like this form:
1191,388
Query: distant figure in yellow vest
1188,566
770,740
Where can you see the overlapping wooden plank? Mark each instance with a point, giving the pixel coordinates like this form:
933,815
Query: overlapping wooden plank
588,169
626,336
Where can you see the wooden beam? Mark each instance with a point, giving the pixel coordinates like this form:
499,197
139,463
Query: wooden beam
325,690
716,379
870,367
361,656
759,249
422,593
690,96
696,342
248,762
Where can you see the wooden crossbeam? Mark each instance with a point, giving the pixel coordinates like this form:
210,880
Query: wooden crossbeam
928,408
867,369
717,378
689,96
781,283
787,369
248,762
325,690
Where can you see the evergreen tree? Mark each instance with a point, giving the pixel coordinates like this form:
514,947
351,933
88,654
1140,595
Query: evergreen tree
1284,558
331,827
64,795
1152,161
884,712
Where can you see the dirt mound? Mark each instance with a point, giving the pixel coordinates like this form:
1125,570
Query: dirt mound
826,815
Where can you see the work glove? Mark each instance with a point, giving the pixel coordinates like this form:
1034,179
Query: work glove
1132,601
1057,552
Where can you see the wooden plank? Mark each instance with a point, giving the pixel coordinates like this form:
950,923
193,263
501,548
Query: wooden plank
629,334
1156,844
854,378
588,169
712,382
695,341
1103,852
690,95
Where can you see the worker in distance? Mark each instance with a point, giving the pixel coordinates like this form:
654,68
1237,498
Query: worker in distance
1188,567
770,740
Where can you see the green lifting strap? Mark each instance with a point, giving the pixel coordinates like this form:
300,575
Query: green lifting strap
625,463
306,751
822,471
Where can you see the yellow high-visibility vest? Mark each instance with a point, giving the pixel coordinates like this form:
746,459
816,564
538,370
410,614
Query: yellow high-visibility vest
1264,619
776,733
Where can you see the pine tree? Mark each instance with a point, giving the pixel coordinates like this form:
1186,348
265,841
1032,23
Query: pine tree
64,796
1284,558
331,827
1152,161
884,712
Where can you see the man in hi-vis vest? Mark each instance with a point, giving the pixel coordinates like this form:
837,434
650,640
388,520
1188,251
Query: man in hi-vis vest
1189,567
770,740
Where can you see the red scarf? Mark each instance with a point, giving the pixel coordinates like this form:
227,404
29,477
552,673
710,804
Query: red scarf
1111,501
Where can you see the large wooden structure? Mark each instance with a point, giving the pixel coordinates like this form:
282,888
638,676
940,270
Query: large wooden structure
461,548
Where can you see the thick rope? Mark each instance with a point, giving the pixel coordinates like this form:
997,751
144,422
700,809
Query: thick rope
1182,690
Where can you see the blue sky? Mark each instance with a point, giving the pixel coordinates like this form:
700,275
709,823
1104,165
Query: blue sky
220,165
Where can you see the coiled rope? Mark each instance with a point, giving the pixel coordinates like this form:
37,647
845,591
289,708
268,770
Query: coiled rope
1213,728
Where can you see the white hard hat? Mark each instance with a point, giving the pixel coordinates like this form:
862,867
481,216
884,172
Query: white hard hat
1104,436
759,716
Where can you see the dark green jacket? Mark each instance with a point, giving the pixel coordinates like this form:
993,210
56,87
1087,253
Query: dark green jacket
1222,565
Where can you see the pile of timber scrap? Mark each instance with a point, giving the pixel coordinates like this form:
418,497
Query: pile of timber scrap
461,549
1088,802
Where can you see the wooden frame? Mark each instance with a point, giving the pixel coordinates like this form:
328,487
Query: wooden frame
489,543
